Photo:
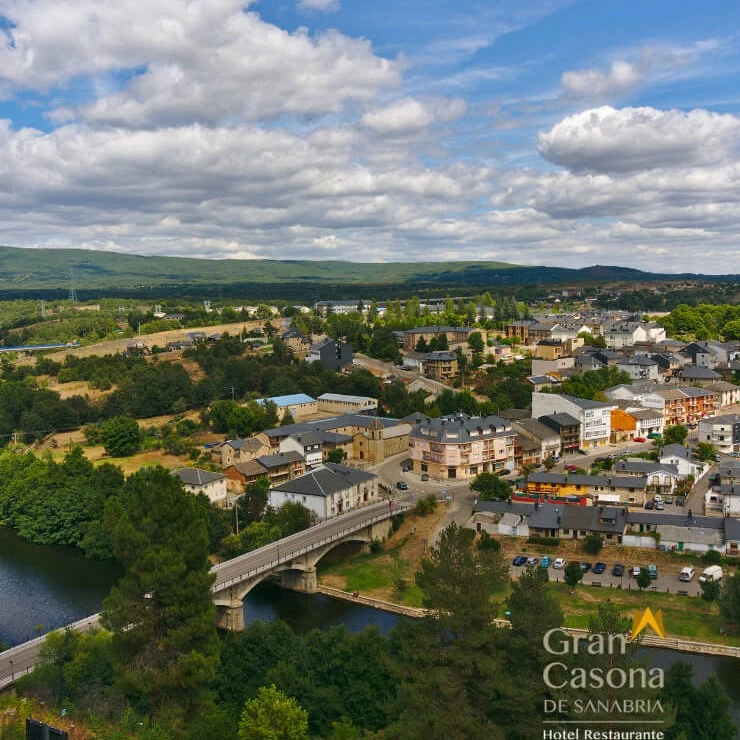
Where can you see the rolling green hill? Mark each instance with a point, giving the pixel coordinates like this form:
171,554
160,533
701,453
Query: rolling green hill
27,272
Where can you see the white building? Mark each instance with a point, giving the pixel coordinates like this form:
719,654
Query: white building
594,416
680,456
306,444
196,481
328,490
721,431
648,421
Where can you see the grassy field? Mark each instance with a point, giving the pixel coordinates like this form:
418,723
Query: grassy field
389,574
683,616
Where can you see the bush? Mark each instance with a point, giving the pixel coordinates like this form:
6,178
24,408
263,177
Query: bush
425,506
592,544
488,543
533,539
376,546
712,557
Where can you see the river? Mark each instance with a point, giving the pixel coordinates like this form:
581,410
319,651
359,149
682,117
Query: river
47,587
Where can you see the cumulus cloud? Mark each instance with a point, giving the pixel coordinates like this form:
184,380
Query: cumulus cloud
206,62
408,116
628,139
623,75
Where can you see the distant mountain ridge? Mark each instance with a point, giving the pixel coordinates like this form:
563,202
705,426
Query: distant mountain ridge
26,271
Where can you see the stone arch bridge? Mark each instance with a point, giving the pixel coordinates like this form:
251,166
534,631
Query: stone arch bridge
294,558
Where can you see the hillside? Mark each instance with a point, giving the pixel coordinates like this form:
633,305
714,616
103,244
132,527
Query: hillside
51,272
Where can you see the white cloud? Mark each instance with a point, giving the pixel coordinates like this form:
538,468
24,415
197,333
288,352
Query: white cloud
325,6
594,83
202,61
644,65
408,116
631,139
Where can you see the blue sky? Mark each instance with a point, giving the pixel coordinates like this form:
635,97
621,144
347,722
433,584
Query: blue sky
534,132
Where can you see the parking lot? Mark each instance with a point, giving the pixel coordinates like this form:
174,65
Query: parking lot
666,582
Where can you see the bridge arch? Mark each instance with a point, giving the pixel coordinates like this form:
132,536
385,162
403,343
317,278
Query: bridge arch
297,574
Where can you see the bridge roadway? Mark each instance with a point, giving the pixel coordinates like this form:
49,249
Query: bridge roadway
253,565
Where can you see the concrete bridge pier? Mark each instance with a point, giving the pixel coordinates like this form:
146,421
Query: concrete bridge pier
231,617
304,581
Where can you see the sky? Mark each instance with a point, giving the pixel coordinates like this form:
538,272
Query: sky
538,132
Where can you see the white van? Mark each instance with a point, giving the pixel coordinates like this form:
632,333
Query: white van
712,573
686,574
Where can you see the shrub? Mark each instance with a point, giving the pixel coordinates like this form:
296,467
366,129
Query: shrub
548,541
712,557
486,542
592,544
376,546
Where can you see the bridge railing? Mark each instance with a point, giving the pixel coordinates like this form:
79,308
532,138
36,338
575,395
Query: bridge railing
283,557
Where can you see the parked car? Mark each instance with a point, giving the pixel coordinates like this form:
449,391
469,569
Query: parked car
669,499
519,560
599,568
653,570
585,567
402,486
425,476
680,500
581,452
600,459
686,574
658,498
655,435
711,573
559,563
659,506
635,571
640,439
571,468
618,570
532,561
546,562
503,471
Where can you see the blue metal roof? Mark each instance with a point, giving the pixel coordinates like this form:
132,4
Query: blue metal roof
291,400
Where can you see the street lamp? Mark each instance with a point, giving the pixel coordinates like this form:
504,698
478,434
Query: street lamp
12,672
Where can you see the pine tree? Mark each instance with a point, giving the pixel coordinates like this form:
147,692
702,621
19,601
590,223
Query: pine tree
161,612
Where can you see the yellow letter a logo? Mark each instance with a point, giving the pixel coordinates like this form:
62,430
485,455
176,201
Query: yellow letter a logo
648,619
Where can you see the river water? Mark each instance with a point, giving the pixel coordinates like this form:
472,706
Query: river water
44,587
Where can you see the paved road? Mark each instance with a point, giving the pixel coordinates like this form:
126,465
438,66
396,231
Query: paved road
21,659
252,563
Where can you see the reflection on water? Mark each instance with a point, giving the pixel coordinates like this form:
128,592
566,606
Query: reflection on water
43,587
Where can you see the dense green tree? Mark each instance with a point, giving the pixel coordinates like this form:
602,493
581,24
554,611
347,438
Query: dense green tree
705,451
251,504
701,713
272,715
475,341
573,574
592,544
675,434
643,579
290,518
161,612
458,581
710,591
336,456
120,436
491,487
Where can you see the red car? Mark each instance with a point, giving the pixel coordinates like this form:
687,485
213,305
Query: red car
640,439
571,468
